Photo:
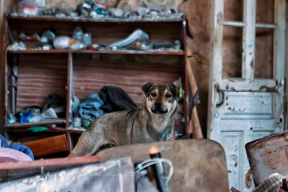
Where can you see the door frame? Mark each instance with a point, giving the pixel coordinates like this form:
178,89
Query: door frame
2,11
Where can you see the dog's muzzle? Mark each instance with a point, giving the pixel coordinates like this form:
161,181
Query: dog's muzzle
158,108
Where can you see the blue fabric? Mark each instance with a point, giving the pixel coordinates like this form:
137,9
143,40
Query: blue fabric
90,107
3,142
21,148
25,117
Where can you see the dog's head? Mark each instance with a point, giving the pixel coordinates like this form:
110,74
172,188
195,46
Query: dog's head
161,99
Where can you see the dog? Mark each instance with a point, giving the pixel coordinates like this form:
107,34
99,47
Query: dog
153,123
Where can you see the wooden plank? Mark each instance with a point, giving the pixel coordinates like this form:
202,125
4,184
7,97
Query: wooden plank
266,26
4,73
69,99
49,163
39,76
91,75
215,73
44,122
279,58
107,20
17,170
69,89
286,75
48,146
195,123
249,32
279,36
185,80
99,52
2,58
50,130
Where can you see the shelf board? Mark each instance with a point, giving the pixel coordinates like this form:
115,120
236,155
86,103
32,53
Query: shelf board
100,51
98,20
41,123
75,131
50,130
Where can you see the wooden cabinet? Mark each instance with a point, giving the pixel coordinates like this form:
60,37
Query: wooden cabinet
64,72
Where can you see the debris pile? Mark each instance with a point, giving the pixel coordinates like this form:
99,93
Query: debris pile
136,41
88,9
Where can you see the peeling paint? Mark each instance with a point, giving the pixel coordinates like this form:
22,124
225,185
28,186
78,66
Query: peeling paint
219,18
267,89
252,64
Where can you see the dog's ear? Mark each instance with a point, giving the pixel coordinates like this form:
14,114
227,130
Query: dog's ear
146,87
177,91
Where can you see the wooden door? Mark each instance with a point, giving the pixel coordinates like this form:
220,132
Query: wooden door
244,109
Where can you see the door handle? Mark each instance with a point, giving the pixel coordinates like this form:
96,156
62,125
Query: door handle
222,95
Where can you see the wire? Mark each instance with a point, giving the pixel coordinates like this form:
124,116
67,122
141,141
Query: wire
147,163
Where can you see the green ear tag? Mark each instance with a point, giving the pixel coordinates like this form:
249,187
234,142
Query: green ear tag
180,92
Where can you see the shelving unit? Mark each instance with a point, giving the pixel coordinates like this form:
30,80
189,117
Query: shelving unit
101,51
82,72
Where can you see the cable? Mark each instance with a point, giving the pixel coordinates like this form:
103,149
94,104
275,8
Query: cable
144,164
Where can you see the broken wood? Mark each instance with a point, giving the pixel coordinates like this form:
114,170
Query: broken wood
194,123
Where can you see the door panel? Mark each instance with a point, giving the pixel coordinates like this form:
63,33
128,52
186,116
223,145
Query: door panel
244,109
243,105
232,143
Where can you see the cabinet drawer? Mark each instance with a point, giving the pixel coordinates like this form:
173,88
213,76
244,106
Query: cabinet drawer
48,146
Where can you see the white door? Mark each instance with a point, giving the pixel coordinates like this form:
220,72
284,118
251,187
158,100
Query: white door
244,109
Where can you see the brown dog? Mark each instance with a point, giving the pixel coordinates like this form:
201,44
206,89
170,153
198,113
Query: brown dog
154,122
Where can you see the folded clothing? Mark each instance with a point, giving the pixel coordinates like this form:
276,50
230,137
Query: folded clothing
21,148
89,109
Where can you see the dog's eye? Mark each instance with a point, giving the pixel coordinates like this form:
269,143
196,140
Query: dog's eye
153,94
168,95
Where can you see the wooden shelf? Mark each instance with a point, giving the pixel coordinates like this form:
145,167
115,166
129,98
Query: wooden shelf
50,130
41,123
101,20
75,131
63,72
100,51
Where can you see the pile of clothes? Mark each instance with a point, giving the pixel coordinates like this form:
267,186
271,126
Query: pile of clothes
22,148
109,99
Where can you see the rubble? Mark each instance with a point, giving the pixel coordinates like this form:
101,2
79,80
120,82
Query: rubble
92,10
116,13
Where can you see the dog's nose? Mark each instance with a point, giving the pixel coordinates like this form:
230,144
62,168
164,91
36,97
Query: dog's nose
158,103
